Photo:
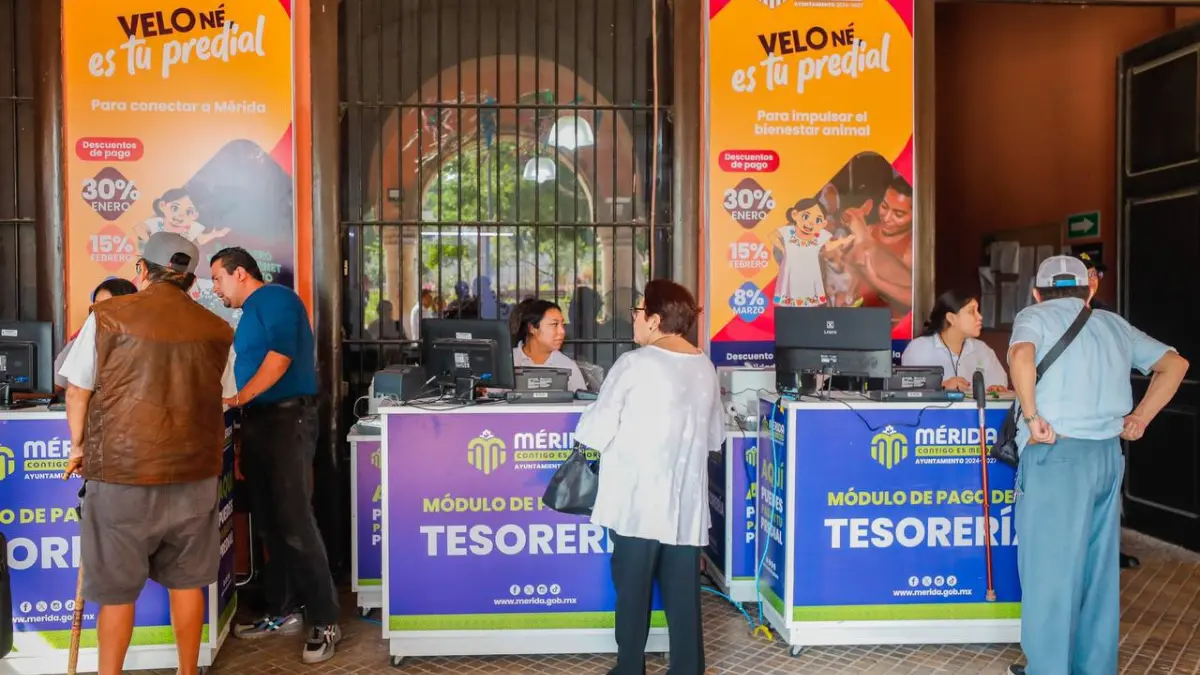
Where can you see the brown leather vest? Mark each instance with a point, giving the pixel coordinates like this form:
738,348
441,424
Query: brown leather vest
156,416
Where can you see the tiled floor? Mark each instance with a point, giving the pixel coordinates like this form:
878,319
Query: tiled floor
1160,619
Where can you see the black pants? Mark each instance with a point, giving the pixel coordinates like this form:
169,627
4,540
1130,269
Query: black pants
636,565
279,442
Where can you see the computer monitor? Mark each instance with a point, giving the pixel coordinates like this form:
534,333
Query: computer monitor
476,349
831,341
26,359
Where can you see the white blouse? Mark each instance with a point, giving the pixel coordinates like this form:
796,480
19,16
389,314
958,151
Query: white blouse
657,417
929,350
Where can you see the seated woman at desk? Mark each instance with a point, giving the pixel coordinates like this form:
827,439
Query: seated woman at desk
540,331
951,340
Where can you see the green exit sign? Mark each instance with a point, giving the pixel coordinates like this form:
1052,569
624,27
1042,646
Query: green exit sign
1083,225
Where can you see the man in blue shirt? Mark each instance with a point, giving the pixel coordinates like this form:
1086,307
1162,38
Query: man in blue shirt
276,374
1069,480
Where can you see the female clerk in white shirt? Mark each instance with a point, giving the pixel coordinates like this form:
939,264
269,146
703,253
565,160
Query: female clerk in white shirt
540,332
951,340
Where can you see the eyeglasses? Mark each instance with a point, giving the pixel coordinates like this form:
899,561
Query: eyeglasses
633,311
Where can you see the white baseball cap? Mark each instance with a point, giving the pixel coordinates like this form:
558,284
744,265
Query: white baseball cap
1061,270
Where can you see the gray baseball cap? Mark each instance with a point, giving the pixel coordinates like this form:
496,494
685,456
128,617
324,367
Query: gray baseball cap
1061,270
162,246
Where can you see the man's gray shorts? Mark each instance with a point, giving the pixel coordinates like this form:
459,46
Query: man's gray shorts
128,533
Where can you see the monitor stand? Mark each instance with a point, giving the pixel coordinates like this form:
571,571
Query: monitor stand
7,402
464,387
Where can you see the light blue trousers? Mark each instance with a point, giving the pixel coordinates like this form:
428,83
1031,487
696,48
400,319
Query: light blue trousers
1069,531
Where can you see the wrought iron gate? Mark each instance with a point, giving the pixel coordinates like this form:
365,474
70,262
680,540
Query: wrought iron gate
18,227
495,150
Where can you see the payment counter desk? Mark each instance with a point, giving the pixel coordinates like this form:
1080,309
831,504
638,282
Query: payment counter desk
37,516
871,520
366,518
473,564
732,504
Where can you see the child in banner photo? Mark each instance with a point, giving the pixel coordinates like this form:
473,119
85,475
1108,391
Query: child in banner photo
798,250
176,212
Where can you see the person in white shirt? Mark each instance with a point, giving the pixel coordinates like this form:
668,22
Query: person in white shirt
109,288
656,419
422,310
540,332
951,340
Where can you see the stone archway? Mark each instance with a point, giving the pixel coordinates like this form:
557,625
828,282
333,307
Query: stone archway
417,141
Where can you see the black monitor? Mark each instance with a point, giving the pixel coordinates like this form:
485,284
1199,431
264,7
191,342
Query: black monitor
468,353
26,359
831,341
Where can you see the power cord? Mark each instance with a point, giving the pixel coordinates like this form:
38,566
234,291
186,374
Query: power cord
763,626
871,427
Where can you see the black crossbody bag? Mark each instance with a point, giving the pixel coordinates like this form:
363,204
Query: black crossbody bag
1005,449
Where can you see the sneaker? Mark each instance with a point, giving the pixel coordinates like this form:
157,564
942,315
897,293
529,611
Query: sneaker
321,643
290,624
1016,670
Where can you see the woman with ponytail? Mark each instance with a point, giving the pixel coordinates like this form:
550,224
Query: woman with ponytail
951,340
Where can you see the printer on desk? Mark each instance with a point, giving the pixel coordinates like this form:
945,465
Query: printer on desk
538,384
394,385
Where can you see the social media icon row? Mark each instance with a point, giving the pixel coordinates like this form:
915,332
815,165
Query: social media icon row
529,589
937,582
43,606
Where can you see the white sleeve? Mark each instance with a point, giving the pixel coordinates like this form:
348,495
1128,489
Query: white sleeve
994,374
228,383
576,383
598,425
913,355
59,380
79,368
717,423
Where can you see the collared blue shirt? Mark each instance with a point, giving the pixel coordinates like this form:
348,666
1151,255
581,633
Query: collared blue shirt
1086,393
274,320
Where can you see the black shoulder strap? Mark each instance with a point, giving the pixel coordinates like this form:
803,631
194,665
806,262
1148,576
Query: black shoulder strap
1064,341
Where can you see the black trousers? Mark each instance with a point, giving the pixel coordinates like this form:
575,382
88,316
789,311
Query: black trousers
279,442
636,565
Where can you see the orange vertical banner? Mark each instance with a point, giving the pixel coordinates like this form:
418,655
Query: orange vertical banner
810,166
178,118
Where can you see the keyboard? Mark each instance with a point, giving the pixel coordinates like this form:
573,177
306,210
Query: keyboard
916,396
521,397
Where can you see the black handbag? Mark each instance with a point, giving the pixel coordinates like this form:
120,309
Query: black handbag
1005,449
572,488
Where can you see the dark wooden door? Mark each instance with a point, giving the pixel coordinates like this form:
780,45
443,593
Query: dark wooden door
1158,193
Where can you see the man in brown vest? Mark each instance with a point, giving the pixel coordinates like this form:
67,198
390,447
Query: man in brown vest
145,383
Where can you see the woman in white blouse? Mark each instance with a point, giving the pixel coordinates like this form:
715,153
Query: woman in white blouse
951,340
656,419
540,332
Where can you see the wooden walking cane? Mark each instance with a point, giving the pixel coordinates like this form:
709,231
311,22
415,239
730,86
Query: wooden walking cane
76,625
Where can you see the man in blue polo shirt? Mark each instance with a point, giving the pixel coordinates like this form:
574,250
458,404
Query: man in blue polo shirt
1069,480
276,375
